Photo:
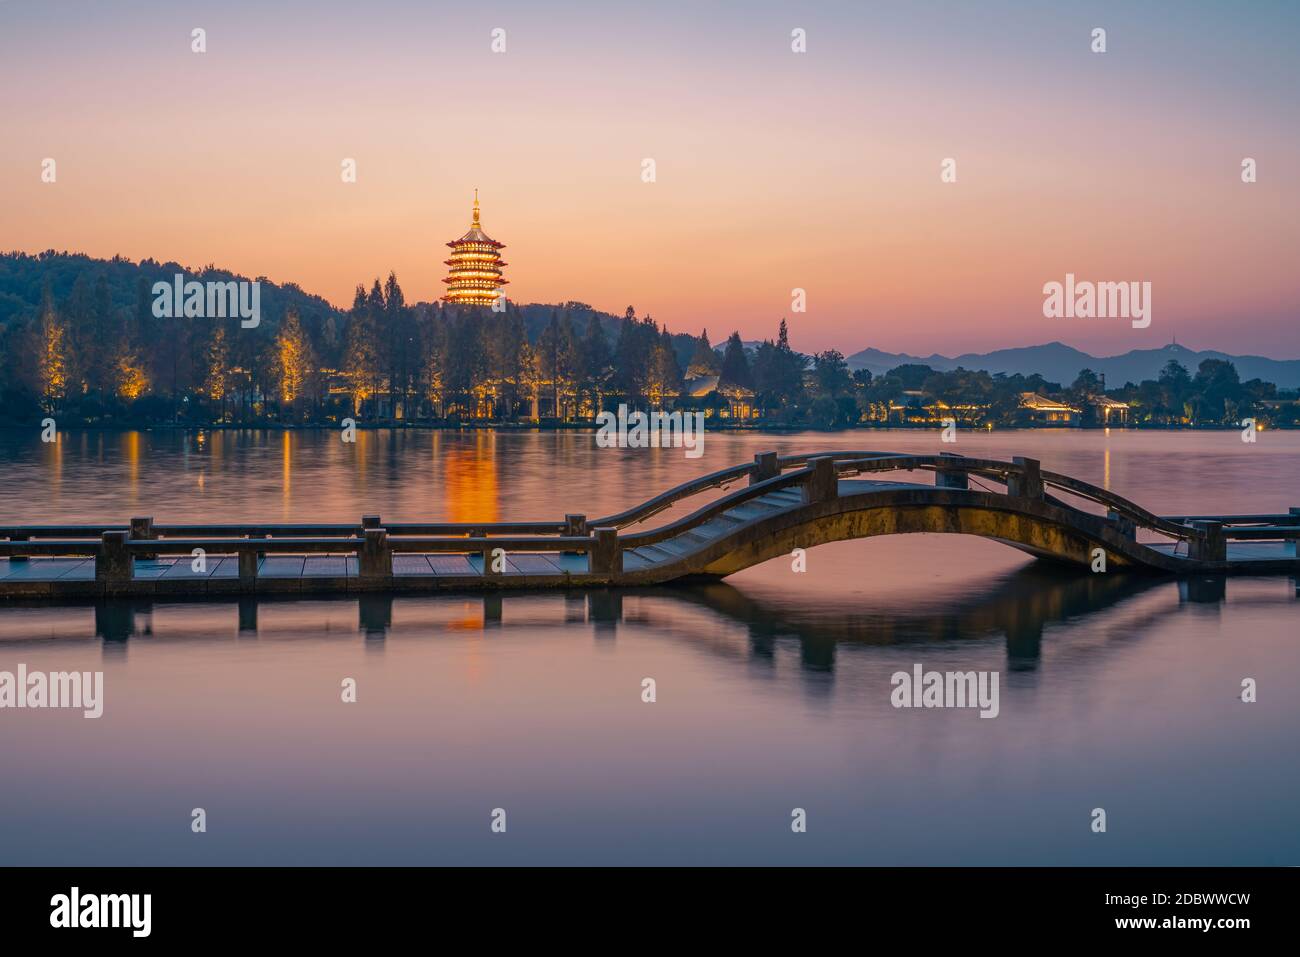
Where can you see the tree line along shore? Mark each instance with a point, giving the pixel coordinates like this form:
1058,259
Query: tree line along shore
80,342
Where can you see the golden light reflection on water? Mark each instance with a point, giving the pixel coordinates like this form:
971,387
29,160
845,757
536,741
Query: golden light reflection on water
54,463
470,478
360,447
286,472
200,445
131,441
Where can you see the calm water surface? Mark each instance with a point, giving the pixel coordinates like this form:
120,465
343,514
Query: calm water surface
773,687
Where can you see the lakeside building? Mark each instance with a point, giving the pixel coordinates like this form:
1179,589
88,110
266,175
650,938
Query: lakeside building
917,407
726,401
1037,408
1109,411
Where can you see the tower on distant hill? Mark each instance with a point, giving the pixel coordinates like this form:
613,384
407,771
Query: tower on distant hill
474,276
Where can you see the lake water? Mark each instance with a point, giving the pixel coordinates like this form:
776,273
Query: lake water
773,688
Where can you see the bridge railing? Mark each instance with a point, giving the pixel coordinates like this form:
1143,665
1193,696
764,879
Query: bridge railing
815,472
1127,515
651,507
766,465
115,551
1027,476
280,529
716,507
1019,476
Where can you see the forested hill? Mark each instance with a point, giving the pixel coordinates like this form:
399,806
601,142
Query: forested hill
23,280
79,335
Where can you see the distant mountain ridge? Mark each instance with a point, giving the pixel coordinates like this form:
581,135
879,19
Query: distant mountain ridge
1058,362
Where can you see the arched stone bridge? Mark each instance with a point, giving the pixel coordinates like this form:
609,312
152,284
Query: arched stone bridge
786,502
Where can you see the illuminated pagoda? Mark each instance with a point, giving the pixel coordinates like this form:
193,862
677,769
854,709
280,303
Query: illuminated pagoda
475,275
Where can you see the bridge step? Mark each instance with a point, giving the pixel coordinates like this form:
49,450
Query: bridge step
728,520
697,535
634,561
653,554
755,508
676,547
717,527
784,498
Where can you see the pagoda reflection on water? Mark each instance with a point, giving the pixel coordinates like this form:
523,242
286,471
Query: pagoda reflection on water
475,265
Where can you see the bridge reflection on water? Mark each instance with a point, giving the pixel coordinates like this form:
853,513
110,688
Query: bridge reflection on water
1016,609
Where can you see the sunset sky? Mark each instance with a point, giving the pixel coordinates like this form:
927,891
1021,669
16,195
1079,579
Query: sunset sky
775,170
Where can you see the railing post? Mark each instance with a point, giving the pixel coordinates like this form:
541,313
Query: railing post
1028,482
1211,545
575,526
766,466
1123,524
952,478
19,538
113,560
248,568
606,556
823,484
376,558
369,521
485,549
142,530
1295,544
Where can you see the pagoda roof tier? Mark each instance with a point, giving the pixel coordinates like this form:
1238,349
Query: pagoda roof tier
476,235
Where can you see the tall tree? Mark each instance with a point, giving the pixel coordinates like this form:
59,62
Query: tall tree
295,361
1086,384
52,362
633,354
1218,390
101,342
664,381
1174,389
831,373
735,365
504,341
433,347
559,359
217,369
548,359
704,361
464,360
570,365
596,362
360,351
778,376
399,342
375,311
